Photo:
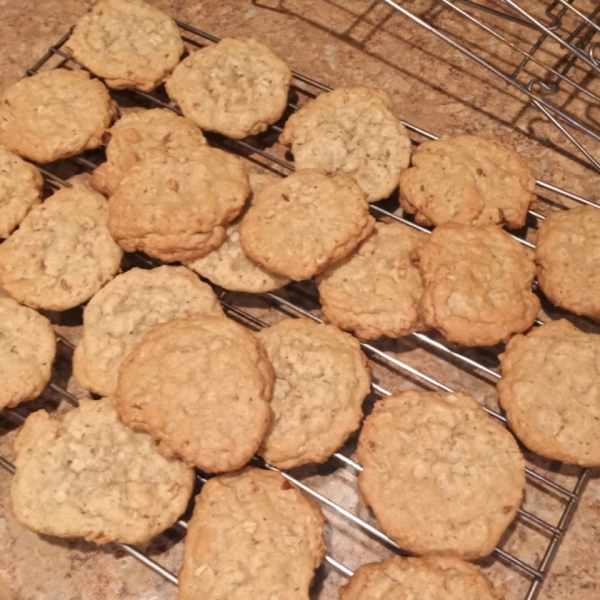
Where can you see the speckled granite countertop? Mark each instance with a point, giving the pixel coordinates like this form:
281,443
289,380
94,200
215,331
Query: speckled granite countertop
339,43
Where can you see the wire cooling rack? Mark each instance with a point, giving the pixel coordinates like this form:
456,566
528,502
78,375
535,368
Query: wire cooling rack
301,300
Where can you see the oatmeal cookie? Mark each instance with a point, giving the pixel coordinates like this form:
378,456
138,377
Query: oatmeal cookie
376,290
300,225
322,378
229,267
440,474
20,190
549,390
86,474
54,114
117,317
27,349
138,135
237,87
352,131
129,43
201,386
430,577
568,258
477,284
175,206
62,253
467,179
252,535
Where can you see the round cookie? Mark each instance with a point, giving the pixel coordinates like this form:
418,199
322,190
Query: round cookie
252,535
85,474
138,135
20,190
352,131
322,378
300,225
376,290
174,206
440,474
549,390
430,577
568,258
54,114
229,267
62,253
199,374
27,349
237,87
467,179
477,284
117,317
129,43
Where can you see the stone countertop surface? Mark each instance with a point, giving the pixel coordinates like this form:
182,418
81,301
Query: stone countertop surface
337,42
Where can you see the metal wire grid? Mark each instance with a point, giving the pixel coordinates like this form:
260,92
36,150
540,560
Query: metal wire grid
549,85
308,87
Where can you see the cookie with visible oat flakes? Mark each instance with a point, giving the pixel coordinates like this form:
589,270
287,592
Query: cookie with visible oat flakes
129,43
252,535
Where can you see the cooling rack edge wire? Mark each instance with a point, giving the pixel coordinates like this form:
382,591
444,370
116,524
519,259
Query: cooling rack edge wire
570,497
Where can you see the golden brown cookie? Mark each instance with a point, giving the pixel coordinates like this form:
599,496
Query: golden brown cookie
440,474
376,290
62,253
351,131
549,390
117,317
20,190
301,224
199,374
229,267
568,258
467,179
477,284
86,474
430,577
138,135
252,535
237,87
27,349
129,43
322,378
175,206
54,114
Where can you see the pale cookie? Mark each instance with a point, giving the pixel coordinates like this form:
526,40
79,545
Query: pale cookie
27,349
129,43
467,179
376,290
440,474
322,378
201,386
427,578
237,87
252,535
117,317
229,267
20,190
352,131
87,475
477,284
549,390
62,253
54,114
568,258
175,206
138,135
300,225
